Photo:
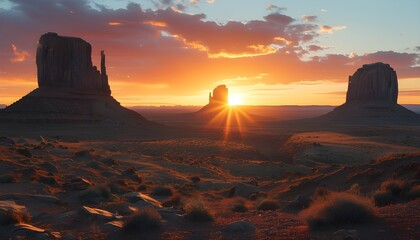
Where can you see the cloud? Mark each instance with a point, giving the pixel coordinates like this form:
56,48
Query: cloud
314,48
19,55
330,29
309,18
273,7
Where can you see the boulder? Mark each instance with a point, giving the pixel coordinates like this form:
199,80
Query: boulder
97,214
344,234
240,227
142,200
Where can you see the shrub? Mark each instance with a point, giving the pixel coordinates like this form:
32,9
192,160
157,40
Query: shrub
238,206
173,201
162,191
320,193
268,204
395,186
197,212
195,179
146,220
338,209
96,194
393,191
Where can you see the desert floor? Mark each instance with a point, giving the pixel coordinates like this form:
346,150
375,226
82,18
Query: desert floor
78,183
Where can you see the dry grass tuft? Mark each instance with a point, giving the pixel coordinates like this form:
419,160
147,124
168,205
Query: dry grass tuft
337,209
145,221
197,212
173,201
394,191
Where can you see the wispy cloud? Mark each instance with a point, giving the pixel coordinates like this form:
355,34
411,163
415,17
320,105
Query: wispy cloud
19,55
330,29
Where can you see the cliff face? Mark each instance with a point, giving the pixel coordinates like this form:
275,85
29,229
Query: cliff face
372,95
66,62
373,82
71,89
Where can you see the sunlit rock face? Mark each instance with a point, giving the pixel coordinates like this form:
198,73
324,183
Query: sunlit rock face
372,94
373,82
220,96
66,62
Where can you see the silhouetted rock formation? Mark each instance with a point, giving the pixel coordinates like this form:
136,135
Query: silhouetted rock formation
373,82
372,95
220,96
66,62
70,88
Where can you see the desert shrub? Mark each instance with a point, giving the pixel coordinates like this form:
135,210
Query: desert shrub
395,186
268,204
162,191
238,205
173,201
354,189
320,193
96,194
338,209
13,215
394,191
197,212
195,179
146,220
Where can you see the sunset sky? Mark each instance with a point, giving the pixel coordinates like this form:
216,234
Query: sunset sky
173,52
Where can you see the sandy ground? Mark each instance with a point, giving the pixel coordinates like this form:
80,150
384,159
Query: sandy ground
86,187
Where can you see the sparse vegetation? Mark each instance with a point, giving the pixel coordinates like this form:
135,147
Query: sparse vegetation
96,194
268,204
173,201
239,205
197,212
195,179
162,191
337,209
394,191
11,215
321,193
146,220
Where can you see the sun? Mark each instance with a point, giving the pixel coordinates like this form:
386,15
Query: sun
235,99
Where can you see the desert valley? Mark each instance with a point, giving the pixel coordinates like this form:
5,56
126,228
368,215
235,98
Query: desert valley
76,164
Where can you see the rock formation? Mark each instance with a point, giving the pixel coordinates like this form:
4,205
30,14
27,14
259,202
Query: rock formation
373,82
220,96
372,95
70,89
66,62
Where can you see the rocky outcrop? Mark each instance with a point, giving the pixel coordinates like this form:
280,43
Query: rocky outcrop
70,89
66,62
372,96
220,96
373,82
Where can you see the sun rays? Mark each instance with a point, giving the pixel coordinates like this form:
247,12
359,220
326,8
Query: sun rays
232,118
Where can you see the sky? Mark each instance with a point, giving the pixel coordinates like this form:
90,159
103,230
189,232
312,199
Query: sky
173,52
